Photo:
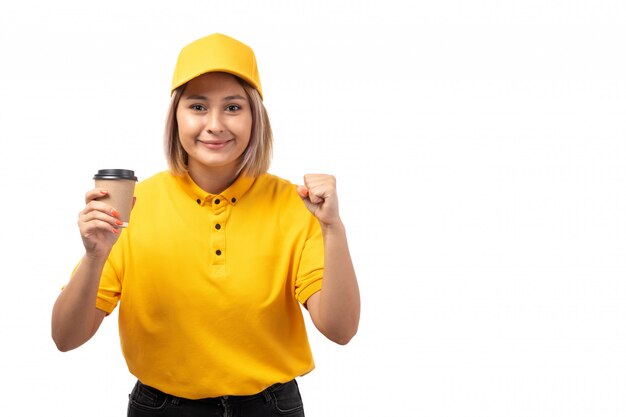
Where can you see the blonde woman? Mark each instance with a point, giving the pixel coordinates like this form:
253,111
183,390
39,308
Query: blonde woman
217,257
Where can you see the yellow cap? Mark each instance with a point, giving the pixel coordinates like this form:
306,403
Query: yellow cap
216,53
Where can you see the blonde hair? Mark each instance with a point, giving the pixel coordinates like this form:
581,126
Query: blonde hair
255,160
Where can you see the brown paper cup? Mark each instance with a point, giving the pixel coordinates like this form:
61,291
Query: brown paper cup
120,183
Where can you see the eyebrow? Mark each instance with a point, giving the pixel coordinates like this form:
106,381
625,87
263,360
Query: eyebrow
227,98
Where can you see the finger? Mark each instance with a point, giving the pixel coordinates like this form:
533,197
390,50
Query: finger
320,184
311,180
96,205
95,194
321,190
314,198
96,226
303,192
308,190
97,217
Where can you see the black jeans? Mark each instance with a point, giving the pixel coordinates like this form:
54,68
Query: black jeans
277,400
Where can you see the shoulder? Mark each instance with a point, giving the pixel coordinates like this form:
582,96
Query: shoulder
152,191
282,196
277,189
155,182
271,180
151,195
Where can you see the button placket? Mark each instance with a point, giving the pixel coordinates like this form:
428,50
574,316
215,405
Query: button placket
221,211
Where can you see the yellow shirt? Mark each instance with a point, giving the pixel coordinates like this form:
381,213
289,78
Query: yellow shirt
209,286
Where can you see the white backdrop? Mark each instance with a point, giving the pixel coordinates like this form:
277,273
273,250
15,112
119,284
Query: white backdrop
479,148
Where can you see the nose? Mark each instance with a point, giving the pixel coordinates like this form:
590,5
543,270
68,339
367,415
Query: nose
214,123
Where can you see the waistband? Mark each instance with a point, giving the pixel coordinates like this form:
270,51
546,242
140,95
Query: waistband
264,395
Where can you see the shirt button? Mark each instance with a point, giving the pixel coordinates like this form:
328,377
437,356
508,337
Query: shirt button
218,227
233,199
218,252
198,201
217,201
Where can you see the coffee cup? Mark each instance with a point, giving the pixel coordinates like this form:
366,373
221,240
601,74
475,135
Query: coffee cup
120,184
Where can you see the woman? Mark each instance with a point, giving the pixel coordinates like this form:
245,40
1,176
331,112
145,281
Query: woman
216,259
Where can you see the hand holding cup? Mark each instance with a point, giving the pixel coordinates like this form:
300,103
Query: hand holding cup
107,210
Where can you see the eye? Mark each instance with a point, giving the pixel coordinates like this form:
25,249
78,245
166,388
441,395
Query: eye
233,107
197,107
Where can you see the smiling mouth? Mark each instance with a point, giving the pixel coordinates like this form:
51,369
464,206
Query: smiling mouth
215,144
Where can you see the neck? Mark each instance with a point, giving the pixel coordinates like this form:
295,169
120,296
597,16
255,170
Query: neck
212,180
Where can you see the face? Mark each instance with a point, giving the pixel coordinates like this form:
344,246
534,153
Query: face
214,123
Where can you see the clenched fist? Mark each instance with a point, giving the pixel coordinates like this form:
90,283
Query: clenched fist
319,194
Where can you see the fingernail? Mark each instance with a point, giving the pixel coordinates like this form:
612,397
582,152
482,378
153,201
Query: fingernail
119,222
115,213
103,192
117,232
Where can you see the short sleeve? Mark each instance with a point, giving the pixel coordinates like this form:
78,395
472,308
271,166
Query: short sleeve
311,267
110,287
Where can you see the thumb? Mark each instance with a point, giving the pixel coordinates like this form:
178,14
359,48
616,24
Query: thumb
303,192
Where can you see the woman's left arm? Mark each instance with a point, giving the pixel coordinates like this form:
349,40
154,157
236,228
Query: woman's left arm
336,308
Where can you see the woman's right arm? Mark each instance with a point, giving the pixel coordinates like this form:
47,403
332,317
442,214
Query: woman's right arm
75,318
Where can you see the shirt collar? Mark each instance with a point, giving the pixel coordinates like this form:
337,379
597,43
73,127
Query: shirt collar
232,194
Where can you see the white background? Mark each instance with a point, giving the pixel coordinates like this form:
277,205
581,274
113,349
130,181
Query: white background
479,148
